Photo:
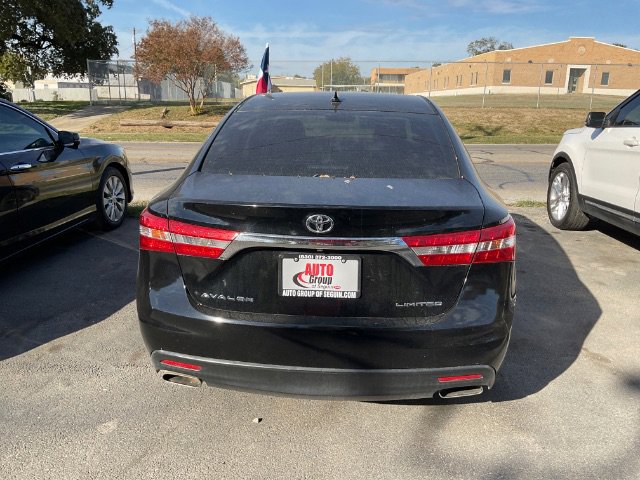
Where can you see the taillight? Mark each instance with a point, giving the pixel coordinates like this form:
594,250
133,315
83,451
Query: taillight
488,245
497,244
164,235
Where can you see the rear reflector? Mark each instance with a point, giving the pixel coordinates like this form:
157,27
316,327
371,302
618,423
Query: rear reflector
186,366
489,245
164,235
460,378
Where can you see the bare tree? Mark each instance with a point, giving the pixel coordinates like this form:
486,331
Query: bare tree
189,53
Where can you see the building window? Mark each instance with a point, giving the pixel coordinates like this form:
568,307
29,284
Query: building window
506,76
391,78
605,78
548,77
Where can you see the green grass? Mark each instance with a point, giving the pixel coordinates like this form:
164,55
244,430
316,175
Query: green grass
109,128
170,136
574,101
49,110
135,209
505,119
529,203
513,125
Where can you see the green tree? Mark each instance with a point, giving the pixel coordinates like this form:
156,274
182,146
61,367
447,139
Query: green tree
15,68
191,54
619,45
487,44
338,72
56,36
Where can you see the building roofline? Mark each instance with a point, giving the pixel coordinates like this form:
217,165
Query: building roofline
617,46
538,45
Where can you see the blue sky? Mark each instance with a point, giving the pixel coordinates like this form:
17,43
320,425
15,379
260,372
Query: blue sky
405,32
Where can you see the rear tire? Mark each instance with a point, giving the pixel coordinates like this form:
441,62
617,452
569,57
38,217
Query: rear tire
563,207
111,200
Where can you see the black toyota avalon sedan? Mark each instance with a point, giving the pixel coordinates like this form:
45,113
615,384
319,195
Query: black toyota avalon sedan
333,246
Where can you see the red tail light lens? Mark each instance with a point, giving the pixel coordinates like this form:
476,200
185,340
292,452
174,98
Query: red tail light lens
497,244
460,378
154,233
186,366
445,249
493,244
164,235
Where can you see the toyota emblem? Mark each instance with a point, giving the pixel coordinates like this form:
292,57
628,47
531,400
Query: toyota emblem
319,223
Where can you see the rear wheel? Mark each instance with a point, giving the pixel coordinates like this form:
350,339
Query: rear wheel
112,199
562,200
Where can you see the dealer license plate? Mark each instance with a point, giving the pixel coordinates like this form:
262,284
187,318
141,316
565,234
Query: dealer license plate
319,276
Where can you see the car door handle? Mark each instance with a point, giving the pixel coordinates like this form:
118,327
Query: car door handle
21,167
631,142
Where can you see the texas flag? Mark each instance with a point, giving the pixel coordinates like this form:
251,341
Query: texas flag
264,79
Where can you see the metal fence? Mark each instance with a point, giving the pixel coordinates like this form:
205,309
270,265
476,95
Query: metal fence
463,83
480,84
116,82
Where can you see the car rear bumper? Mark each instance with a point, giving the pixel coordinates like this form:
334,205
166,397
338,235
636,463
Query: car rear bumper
330,357
332,383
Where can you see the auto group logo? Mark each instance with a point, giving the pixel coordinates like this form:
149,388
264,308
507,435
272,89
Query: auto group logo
319,223
316,276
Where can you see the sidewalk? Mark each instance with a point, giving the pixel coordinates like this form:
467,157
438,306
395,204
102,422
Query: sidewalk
81,119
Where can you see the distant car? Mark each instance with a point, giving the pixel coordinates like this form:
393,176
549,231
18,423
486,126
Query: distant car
595,171
329,246
53,180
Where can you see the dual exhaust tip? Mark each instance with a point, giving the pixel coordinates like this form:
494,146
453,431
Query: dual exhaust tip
190,381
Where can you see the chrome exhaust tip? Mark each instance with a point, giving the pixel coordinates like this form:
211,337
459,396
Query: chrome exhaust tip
461,392
180,378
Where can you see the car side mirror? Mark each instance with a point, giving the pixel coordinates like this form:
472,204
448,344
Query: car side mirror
68,139
595,119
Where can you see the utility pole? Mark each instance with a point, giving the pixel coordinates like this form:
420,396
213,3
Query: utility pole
135,62
135,46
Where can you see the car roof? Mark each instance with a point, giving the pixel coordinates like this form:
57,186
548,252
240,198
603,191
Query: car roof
354,101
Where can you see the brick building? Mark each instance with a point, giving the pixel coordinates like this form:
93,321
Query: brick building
390,80
580,64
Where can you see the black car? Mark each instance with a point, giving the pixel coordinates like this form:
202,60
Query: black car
329,246
52,180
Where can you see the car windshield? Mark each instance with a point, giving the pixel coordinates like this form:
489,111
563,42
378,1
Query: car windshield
312,143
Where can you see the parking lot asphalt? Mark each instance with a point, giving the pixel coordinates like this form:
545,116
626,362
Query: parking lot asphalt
80,399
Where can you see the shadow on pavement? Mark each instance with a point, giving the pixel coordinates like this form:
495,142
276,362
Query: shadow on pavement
555,313
629,239
64,285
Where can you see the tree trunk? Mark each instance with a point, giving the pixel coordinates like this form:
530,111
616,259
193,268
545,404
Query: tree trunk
204,96
191,93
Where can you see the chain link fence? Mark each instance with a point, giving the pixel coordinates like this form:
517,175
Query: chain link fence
479,84
116,82
463,83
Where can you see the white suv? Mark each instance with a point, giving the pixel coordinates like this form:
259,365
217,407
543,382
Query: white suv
595,171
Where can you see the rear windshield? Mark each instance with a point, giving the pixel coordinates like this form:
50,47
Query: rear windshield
314,143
